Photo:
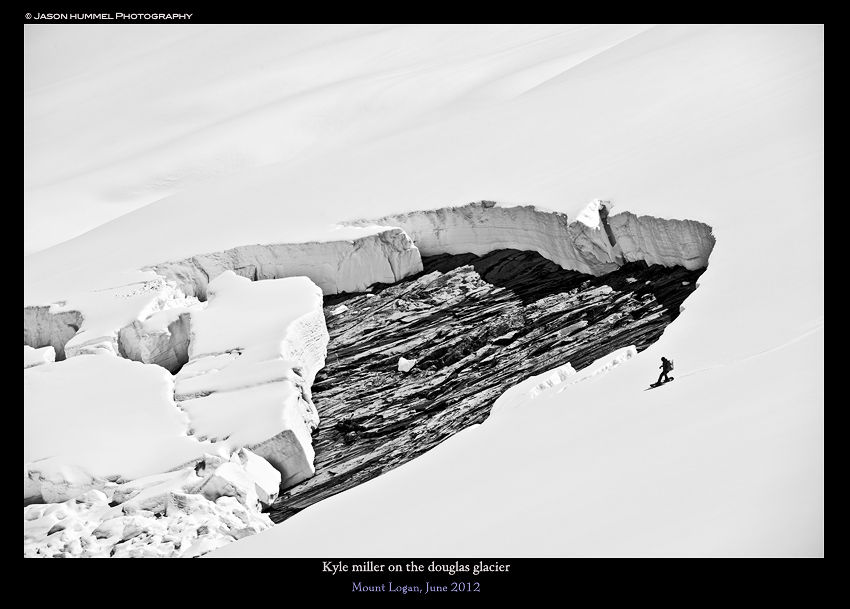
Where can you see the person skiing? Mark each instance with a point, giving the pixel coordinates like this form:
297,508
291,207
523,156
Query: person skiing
666,366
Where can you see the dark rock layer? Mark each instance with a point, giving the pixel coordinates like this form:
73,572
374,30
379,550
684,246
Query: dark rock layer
475,326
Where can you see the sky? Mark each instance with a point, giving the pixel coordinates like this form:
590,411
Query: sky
149,143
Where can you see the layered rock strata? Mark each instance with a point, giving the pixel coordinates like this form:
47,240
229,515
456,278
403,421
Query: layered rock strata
411,364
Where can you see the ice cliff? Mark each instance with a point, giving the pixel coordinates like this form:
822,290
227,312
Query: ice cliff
335,266
595,244
146,321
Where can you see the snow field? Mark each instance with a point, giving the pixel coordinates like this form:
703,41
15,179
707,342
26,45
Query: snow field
721,125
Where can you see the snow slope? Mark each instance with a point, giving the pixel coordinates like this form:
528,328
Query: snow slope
719,124
201,102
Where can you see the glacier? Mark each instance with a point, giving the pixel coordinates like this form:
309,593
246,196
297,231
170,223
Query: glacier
220,352
216,321
253,353
722,124
391,250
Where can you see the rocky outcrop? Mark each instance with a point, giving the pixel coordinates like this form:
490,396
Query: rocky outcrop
475,326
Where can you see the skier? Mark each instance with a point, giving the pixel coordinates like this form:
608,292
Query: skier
666,366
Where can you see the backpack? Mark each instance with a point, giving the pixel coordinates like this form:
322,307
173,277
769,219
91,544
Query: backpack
671,364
